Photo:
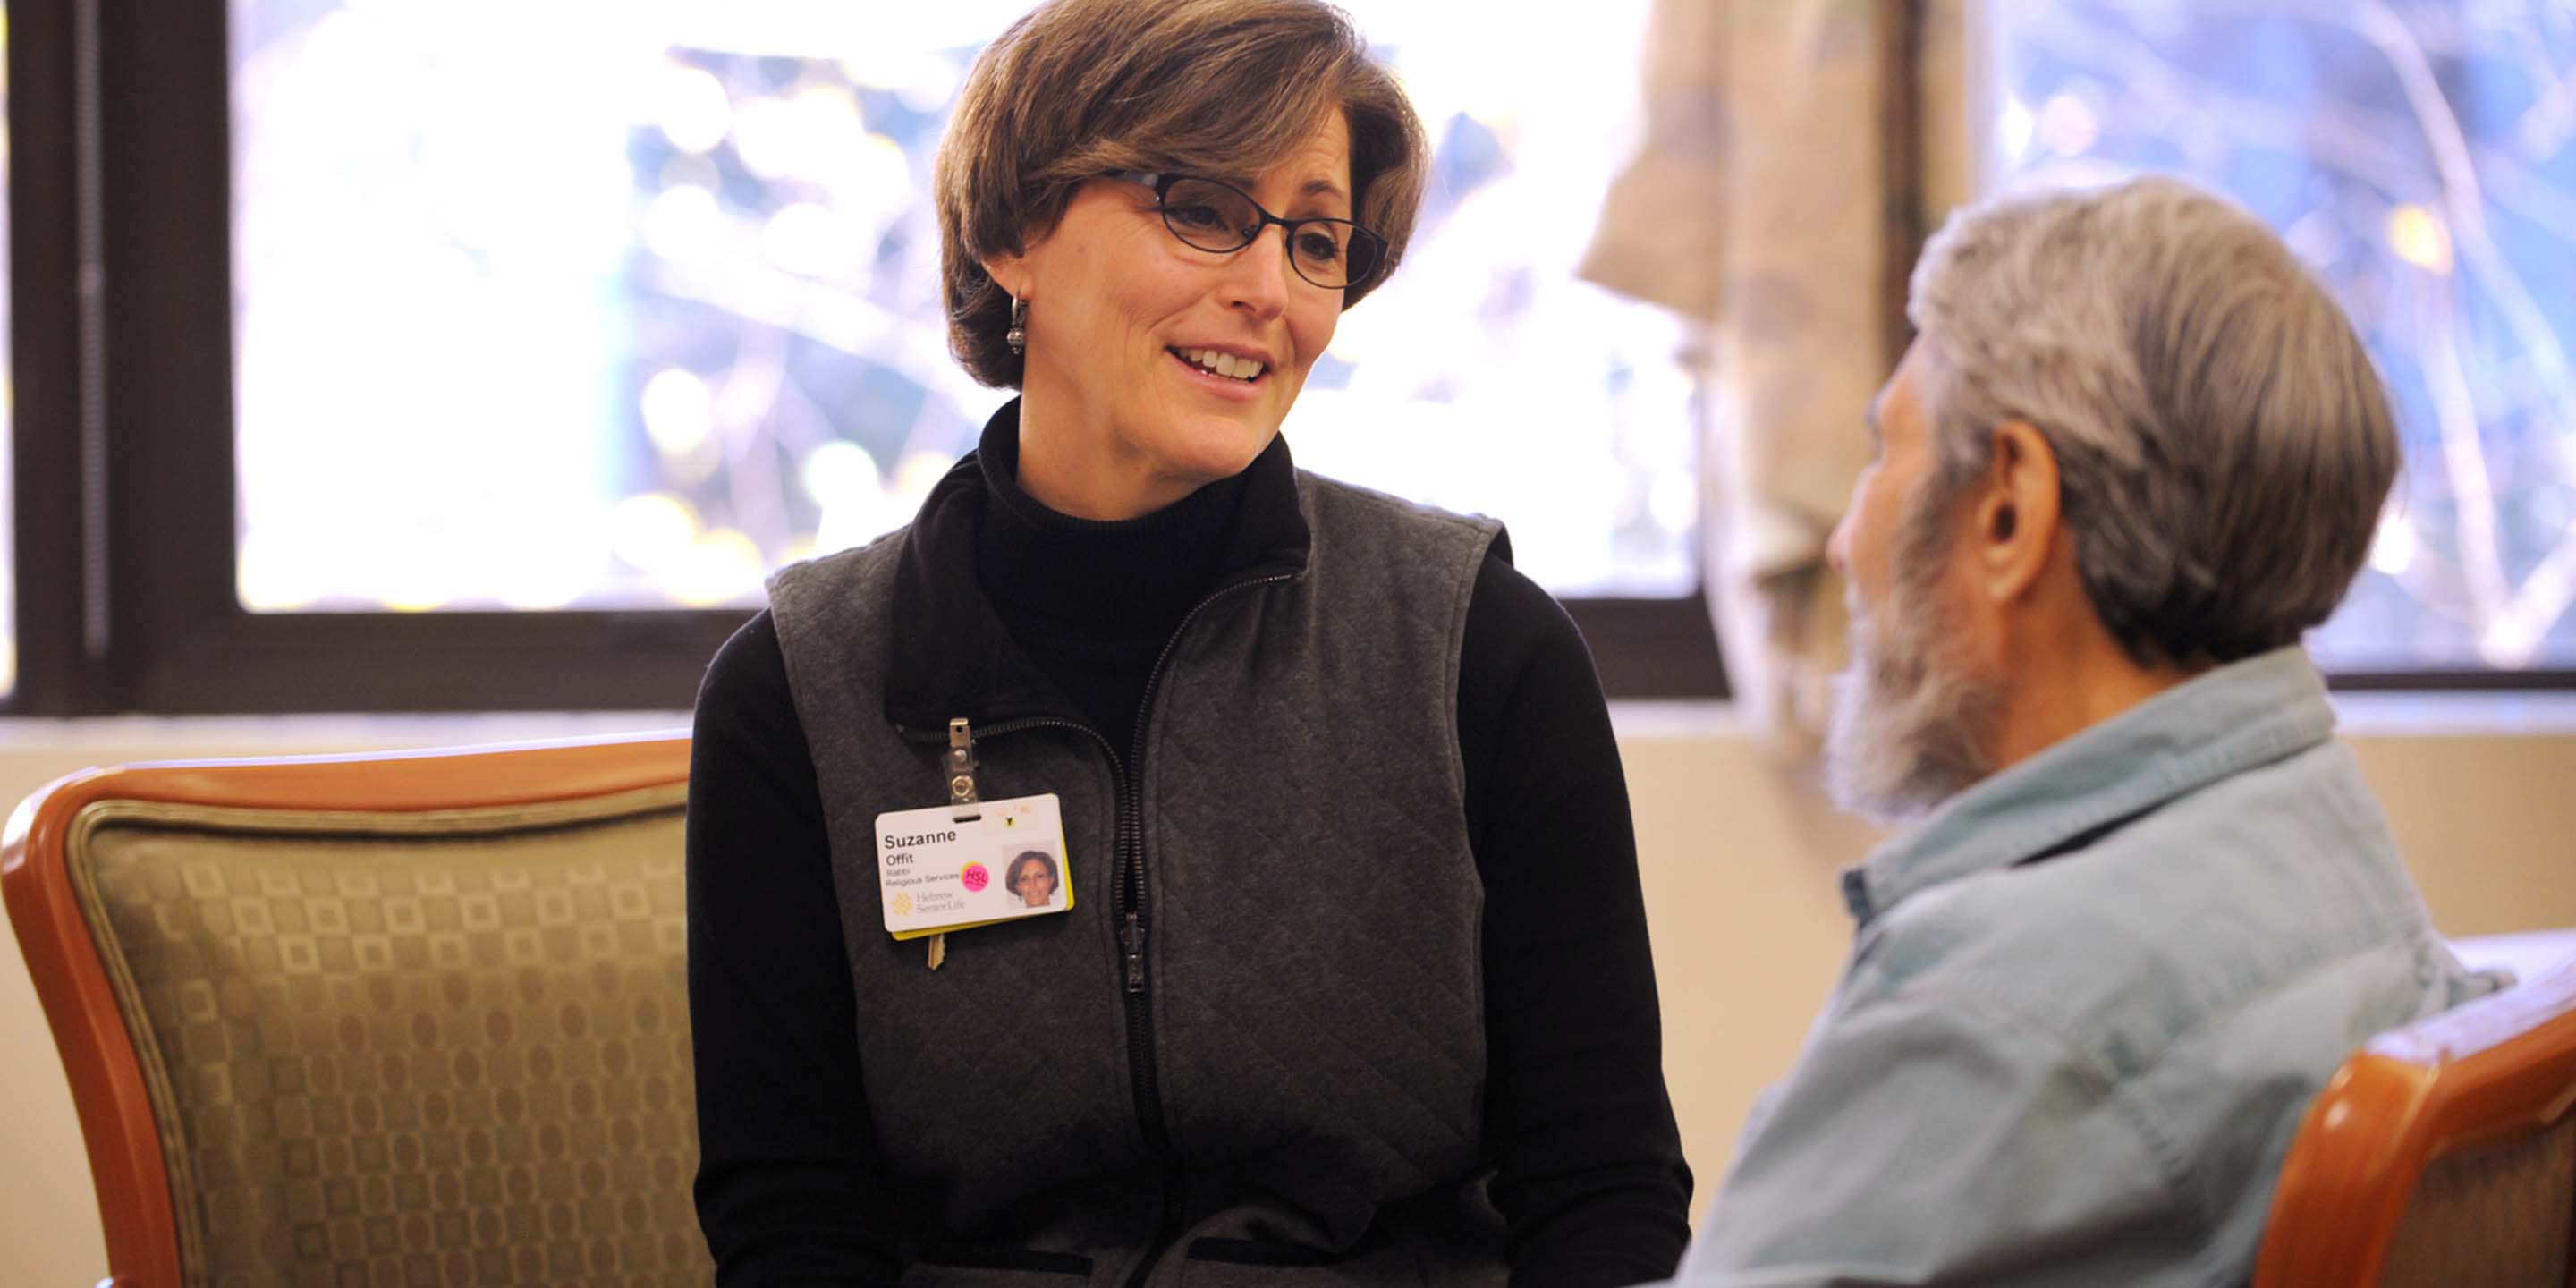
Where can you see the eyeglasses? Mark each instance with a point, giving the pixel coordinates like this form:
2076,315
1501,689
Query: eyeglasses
1334,254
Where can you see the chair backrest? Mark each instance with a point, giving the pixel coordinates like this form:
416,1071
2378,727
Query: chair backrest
2444,1153
374,1019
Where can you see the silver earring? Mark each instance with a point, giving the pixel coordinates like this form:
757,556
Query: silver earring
1018,336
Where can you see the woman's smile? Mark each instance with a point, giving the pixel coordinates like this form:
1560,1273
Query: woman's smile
1222,373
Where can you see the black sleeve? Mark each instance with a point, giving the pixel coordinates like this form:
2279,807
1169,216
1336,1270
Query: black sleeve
789,1185
1590,1178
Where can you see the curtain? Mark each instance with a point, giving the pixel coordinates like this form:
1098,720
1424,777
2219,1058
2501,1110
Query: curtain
1777,197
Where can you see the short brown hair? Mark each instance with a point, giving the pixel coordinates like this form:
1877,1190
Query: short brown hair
1080,88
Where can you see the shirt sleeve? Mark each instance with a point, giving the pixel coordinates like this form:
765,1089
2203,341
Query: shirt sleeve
790,1187
1589,1173
1926,1137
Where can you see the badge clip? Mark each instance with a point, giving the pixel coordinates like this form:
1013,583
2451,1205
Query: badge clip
961,768
961,792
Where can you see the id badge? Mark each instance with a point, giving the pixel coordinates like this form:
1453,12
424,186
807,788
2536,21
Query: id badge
978,863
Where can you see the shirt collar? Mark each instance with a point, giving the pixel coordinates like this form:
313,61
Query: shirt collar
2210,727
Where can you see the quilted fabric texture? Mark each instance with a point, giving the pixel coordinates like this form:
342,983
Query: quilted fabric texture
2499,1217
427,1049
1313,948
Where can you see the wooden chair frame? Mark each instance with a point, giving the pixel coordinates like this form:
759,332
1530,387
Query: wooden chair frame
2494,1071
108,1090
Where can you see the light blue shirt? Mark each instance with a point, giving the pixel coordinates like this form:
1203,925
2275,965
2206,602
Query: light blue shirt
2087,1004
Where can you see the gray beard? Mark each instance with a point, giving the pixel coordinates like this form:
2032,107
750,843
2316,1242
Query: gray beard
1908,719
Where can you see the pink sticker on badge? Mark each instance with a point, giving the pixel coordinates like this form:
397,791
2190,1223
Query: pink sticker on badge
975,877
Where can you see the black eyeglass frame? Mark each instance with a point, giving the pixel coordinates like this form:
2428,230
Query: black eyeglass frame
1162,186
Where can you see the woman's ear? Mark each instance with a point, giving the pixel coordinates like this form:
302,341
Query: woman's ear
1010,272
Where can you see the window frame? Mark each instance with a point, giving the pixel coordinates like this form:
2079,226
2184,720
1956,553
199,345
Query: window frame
125,436
52,58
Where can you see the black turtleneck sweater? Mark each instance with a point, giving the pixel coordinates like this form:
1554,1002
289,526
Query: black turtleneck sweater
1589,1172
1093,603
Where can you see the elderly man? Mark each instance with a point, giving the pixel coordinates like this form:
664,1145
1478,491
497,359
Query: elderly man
2149,904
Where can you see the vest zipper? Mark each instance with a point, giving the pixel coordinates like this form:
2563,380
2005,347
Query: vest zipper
1143,1076
1135,922
1129,856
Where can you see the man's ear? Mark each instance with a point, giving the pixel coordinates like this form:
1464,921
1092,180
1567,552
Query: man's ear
2015,520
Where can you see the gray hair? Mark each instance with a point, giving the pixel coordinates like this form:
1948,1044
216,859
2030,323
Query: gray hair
2223,443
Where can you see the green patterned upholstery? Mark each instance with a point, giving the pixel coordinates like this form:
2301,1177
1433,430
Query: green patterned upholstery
2502,1217
409,1049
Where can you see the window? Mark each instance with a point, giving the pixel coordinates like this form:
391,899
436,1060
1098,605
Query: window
658,290
2422,158
543,339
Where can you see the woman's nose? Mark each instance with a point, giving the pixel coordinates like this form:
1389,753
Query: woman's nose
1257,277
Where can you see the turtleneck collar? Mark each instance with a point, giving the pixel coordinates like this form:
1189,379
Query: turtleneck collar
1123,579
981,546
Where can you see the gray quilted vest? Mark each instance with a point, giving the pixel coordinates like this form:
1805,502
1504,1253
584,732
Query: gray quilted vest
1306,1029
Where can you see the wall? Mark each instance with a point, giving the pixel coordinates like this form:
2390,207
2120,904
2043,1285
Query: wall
1738,863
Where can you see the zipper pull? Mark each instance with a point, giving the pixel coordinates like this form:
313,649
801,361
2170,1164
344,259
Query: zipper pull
1132,938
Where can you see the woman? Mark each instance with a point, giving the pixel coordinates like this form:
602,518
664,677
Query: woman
1032,877
1355,988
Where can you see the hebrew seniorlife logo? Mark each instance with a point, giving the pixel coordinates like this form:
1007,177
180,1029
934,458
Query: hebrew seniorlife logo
975,877
903,905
